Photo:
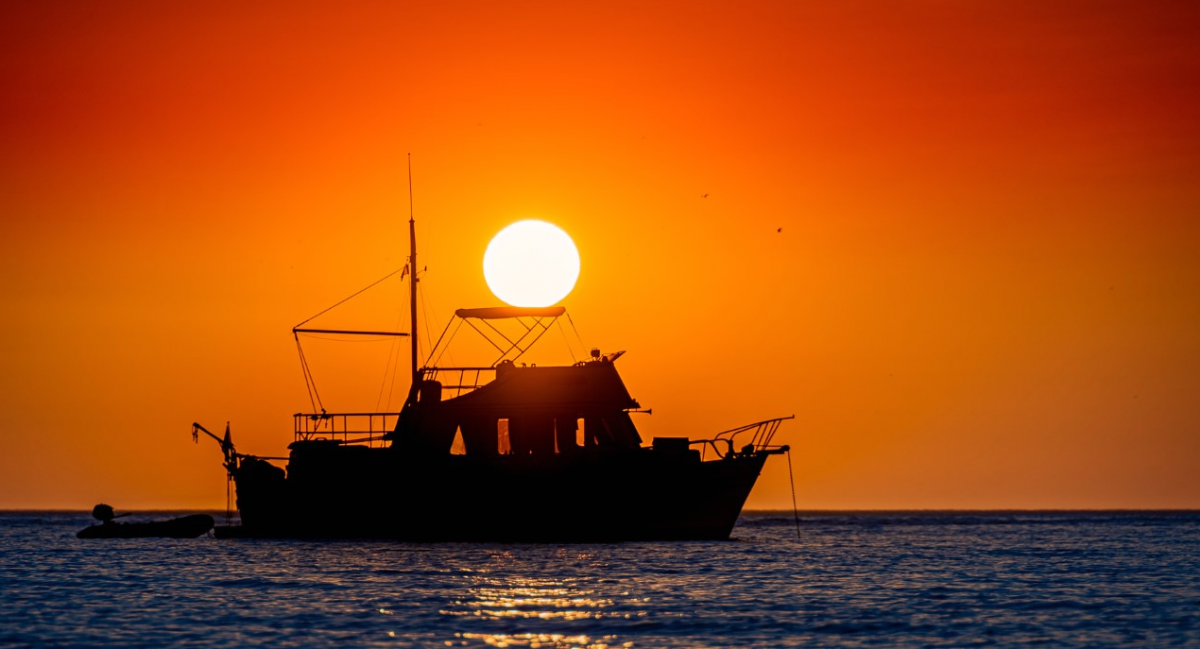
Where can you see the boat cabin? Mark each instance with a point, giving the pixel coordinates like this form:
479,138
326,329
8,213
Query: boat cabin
524,411
503,408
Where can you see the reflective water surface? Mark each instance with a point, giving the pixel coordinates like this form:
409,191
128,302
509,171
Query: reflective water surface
849,580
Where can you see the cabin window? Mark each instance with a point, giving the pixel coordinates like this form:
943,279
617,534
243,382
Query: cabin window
611,430
596,433
458,446
531,434
566,434
503,445
478,435
543,434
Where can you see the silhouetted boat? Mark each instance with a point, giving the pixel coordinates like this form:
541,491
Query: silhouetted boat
184,527
499,452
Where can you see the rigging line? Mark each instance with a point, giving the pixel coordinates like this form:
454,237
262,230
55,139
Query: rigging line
312,381
438,344
383,383
395,370
381,339
795,511
425,307
354,295
566,341
309,383
392,384
576,330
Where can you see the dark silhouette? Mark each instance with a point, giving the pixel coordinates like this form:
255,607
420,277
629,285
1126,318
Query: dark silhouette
549,453
185,527
104,513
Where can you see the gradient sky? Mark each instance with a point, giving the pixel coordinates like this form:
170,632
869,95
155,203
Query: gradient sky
985,291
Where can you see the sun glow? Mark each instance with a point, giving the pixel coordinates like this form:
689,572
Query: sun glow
531,263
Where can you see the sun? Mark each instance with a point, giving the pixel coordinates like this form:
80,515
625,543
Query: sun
531,263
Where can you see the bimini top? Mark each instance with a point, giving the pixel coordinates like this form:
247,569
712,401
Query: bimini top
511,330
498,312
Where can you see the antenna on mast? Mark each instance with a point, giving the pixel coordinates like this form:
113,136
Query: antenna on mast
412,273
410,196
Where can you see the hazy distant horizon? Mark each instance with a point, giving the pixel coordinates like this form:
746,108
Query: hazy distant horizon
787,512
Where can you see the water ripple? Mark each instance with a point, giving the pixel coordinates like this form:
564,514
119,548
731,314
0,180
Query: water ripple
851,580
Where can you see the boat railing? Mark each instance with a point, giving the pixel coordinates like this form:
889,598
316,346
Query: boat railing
364,428
460,380
725,443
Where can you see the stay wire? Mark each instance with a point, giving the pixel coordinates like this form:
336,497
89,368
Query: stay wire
576,330
309,382
438,360
361,340
426,319
567,341
392,367
354,295
792,480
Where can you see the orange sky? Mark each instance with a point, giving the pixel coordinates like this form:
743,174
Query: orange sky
985,293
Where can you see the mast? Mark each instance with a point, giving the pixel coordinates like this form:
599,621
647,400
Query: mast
412,274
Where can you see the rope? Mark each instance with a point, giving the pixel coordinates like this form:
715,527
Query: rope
428,332
392,365
795,511
437,361
354,296
361,339
309,382
566,342
576,330
314,397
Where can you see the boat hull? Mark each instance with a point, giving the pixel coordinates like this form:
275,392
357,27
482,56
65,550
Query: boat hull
185,527
627,495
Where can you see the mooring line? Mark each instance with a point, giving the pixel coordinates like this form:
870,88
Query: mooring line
792,480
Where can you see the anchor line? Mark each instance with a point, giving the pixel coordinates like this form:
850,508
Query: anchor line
792,480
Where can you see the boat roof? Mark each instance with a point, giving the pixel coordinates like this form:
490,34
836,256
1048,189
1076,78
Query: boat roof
499,312
589,387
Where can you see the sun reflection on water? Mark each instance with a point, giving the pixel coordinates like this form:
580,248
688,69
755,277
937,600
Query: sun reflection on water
525,602
543,640
525,599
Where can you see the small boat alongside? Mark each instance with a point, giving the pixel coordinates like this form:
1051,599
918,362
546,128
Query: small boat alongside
183,527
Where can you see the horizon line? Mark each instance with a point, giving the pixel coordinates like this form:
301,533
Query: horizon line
906,510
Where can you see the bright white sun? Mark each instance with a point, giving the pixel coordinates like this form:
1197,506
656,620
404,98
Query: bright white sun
531,263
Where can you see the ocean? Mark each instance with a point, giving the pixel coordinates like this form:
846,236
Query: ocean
856,579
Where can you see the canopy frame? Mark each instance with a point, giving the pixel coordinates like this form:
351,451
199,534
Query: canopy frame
535,321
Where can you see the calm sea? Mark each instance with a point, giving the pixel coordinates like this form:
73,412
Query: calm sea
848,580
